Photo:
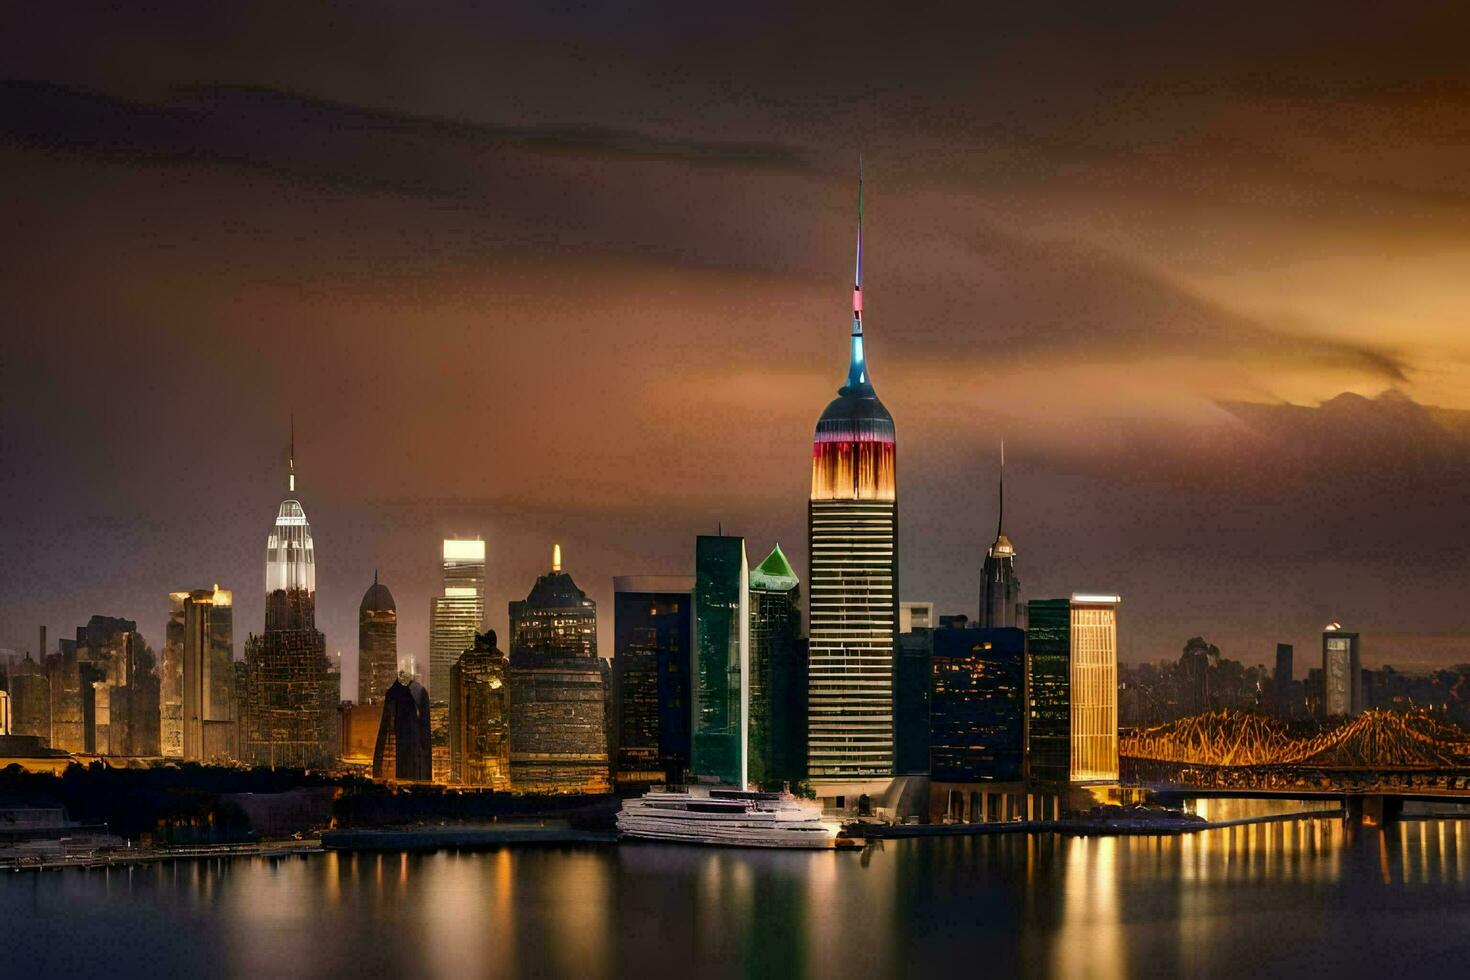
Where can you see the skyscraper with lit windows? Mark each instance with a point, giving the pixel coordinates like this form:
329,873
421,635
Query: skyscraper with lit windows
1072,689
457,615
292,691
852,534
377,643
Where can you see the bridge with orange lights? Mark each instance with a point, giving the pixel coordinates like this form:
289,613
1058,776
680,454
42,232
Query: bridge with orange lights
1373,763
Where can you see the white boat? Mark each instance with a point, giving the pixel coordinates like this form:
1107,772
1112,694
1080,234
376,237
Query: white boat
725,817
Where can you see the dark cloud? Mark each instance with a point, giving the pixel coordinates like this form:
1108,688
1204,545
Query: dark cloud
577,274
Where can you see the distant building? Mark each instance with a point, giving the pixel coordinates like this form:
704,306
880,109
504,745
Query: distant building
377,643
653,631
558,714
721,659
403,751
976,705
359,727
777,685
1342,673
292,691
1282,680
30,700
479,716
5,713
1072,689
852,536
208,666
68,721
1000,589
916,616
458,614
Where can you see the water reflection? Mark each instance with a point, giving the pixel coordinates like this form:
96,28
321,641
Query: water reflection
1273,898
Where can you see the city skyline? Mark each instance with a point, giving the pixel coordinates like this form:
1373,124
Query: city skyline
1162,333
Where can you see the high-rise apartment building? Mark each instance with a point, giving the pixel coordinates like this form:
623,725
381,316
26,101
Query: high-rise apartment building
720,675
458,614
1000,589
777,729
479,716
292,690
653,633
377,643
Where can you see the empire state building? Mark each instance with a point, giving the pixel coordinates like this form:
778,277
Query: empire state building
852,533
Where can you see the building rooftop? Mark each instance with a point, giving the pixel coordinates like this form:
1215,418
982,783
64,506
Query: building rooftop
774,574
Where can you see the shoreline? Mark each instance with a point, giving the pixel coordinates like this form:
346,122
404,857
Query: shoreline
428,840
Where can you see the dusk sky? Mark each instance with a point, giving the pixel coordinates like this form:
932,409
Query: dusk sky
582,275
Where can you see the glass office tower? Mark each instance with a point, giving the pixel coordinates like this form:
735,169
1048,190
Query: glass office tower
852,535
777,730
721,703
1094,682
1072,688
458,614
653,632
976,727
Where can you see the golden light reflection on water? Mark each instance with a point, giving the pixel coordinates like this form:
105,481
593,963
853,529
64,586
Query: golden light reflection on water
1095,907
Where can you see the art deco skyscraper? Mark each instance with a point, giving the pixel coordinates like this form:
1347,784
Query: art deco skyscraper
1000,589
377,643
292,692
458,614
852,533
558,694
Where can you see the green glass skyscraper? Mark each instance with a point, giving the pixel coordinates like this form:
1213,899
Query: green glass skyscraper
720,698
777,734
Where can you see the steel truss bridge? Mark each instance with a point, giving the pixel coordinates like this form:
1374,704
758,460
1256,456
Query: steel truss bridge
1381,757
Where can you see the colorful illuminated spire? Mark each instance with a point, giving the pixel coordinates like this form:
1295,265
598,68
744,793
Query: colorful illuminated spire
857,369
291,458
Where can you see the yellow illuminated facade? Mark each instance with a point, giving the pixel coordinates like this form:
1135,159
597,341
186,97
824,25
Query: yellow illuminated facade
1094,688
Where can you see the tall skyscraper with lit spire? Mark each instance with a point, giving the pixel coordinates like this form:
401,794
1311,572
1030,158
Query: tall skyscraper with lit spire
1000,589
292,692
852,534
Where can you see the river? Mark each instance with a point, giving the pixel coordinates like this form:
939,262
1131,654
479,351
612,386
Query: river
1306,898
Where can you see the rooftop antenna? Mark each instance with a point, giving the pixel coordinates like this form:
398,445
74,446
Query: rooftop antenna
556,558
1000,516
